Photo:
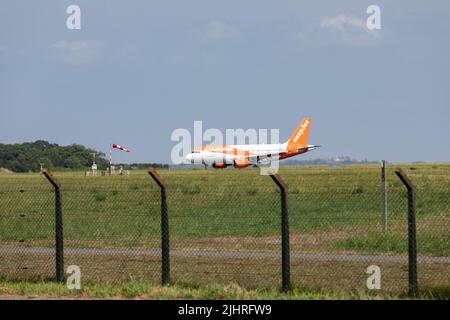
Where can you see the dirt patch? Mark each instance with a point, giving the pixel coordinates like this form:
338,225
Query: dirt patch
5,172
262,243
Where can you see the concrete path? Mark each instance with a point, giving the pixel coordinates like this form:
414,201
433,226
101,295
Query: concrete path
223,254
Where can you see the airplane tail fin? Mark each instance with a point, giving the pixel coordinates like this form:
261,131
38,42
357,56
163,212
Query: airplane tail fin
300,136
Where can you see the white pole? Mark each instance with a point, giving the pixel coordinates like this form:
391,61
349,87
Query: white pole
110,159
384,202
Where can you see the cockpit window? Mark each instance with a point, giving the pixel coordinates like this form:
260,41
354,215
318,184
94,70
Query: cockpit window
195,151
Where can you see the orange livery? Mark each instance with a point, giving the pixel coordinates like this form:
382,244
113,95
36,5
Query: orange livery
242,156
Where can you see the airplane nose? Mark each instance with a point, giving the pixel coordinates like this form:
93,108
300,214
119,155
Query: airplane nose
190,157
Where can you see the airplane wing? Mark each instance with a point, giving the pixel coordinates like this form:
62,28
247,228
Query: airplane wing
275,156
265,158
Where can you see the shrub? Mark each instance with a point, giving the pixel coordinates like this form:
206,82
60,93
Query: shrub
358,190
99,195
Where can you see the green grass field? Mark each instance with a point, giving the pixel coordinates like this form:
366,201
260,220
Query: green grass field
332,211
143,290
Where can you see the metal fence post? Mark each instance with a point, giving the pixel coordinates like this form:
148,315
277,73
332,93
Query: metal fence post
384,202
285,252
412,249
165,248
59,238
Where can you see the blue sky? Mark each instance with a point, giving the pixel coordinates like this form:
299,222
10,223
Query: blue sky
137,70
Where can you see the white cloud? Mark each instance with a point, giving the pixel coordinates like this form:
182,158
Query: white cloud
77,52
343,22
341,30
219,30
351,30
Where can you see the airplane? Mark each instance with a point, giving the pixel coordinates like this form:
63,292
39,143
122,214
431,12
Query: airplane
242,156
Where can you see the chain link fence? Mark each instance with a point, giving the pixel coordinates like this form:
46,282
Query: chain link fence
225,227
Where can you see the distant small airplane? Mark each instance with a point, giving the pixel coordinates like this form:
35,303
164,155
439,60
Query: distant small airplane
242,156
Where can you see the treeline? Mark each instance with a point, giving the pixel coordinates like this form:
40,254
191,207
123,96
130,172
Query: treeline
340,160
24,157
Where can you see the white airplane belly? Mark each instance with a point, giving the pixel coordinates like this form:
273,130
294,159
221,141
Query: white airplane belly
214,157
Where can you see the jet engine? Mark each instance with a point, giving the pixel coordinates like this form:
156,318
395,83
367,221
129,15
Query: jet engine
219,165
241,164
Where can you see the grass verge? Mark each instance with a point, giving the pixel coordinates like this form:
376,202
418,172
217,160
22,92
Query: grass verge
141,290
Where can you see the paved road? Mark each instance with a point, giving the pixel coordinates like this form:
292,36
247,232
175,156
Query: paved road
222,254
